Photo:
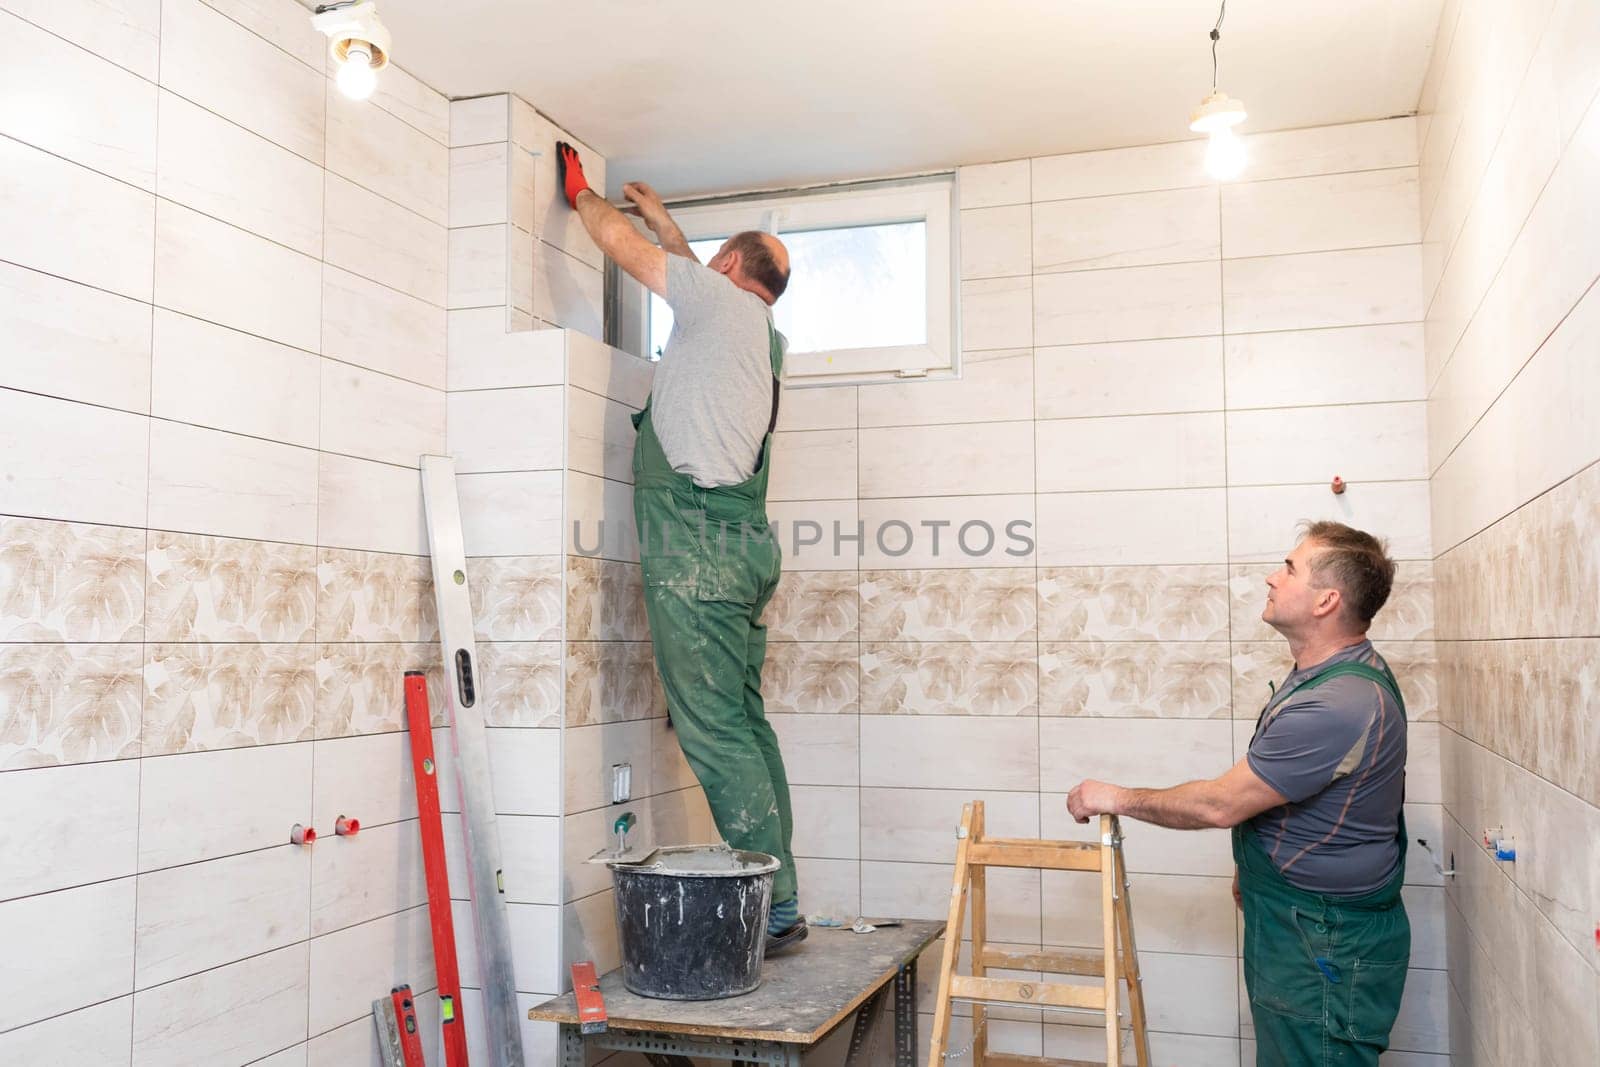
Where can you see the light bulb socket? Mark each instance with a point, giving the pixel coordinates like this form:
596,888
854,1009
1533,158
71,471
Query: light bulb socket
1218,111
355,28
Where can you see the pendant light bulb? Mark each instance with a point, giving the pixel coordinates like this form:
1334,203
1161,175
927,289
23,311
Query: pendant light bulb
356,77
1225,155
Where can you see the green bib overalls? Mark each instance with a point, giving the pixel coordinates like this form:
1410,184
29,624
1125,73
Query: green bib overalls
1324,973
710,564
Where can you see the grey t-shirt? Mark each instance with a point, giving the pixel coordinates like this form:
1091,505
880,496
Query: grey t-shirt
1337,751
712,398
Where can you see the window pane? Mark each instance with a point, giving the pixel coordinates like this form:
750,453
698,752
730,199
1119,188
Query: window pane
860,287
855,287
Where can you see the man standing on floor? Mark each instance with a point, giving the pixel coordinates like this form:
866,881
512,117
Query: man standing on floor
700,466
1315,808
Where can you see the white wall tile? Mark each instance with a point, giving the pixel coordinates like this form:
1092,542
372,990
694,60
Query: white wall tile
82,463
600,436
1130,452
348,965
818,749
827,821
996,313
1129,378
1349,288
995,386
230,173
70,826
589,932
356,1042
480,266
127,32
1332,149
213,376
479,191
376,872
371,506
67,950
994,457
201,805
415,102
1150,848
508,429
374,326
1176,165
1262,521
202,915
1133,229
217,63
97,1036
993,184
1321,213
813,465
480,119
378,239
374,416
805,531
922,891
1127,304
56,96
1369,442
527,844
519,514
1127,528
919,825
567,291
389,157
208,481
523,765
74,342
951,531
366,778
1351,365
67,220
587,755
950,752
554,222
1171,912
995,242
280,24
234,1014
226,275
1136,752
829,887
483,355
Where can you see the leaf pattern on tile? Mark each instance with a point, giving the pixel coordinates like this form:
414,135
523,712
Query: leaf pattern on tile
69,703
1133,603
225,589
950,678
201,697
605,600
949,605
361,687
68,581
1407,616
519,682
611,681
1138,679
812,677
814,606
374,596
516,598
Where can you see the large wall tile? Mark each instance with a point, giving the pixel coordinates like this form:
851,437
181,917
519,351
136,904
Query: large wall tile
370,596
950,752
225,68
994,184
203,805
522,765
384,242
214,271
816,678
374,416
1133,452
128,34
74,342
1349,365
480,177
1129,528
948,605
1127,304
58,97
996,313
994,242
360,686
230,173
1322,213
1134,603
366,778
484,355
938,531
377,872
201,697
1130,230
371,506
509,430
383,329
281,25
947,460
219,589
814,465
87,464
68,703
1314,289
1365,442
206,481
1129,378
919,825
1146,752
995,386
519,514
1351,146
566,290
70,826
379,152
1134,679
950,678
813,606
234,1014
600,436
212,376
68,950
1262,521
1119,170
67,220
97,1036
420,105
71,582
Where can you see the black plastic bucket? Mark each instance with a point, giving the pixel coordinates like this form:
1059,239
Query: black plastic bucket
693,921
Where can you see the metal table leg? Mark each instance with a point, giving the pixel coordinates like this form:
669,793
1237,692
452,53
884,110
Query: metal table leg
905,1015
571,1046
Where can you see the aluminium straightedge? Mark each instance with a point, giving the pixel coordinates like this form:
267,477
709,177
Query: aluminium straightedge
470,744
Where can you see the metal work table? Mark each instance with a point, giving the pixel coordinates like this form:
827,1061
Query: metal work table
804,994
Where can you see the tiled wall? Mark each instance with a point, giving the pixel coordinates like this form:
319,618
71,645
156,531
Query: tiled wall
224,291
1510,161
1162,375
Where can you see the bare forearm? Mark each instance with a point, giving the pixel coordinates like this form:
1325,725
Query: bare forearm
672,238
1190,806
606,225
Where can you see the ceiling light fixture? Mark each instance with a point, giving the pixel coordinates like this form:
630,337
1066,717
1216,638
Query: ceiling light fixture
358,42
1216,116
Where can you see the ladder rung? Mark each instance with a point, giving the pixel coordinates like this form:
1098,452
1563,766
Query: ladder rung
1006,1059
1049,855
1080,963
1026,994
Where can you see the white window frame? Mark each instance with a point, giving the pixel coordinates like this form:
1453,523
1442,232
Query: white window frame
930,200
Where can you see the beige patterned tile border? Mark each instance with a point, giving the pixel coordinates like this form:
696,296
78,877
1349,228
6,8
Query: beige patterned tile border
73,703
225,589
200,697
68,581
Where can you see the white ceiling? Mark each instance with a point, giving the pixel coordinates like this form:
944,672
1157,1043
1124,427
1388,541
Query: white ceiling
712,95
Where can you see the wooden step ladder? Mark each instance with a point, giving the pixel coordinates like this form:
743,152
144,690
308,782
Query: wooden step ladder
1116,959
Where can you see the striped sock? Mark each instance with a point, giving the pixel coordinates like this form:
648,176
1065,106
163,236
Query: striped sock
784,914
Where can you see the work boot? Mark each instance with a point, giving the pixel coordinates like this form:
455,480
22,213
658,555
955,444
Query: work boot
787,938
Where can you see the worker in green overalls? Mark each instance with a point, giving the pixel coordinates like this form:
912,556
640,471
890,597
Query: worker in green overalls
1315,809
709,559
